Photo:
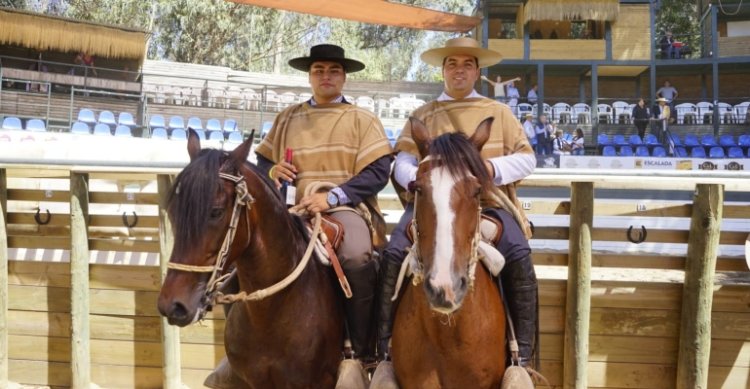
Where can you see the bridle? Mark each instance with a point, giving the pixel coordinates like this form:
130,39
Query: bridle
418,269
213,295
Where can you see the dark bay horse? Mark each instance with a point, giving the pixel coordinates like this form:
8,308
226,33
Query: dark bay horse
291,339
450,331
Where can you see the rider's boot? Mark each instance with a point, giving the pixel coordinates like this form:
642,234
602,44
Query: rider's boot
360,309
521,293
389,269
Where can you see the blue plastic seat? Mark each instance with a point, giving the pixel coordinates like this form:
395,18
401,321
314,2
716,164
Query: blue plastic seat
36,125
213,125
626,151
87,116
735,152
619,140
744,140
80,128
176,122
159,133
641,151
727,140
676,139
12,123
609,151
691,140
659,151
234,137
179,134
195,123
650,140
107,117
708,141
157,121
231,125
635,140
102,129
216,135
603,140
698,152
716,152
126,119
680,152
123,131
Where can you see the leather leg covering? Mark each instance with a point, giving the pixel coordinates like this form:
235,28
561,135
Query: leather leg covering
389,269
521,291
360,309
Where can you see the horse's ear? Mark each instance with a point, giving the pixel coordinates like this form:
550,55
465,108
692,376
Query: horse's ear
420,135
239,155
194,144
482,133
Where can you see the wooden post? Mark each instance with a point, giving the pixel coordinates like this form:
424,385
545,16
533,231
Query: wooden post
578,304
80,358
3,281
170,335
697,292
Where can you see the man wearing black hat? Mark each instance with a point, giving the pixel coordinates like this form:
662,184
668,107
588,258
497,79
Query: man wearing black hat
334,141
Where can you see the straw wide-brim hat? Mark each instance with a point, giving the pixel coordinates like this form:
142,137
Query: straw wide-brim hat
661,99
529,115
326,52
461,46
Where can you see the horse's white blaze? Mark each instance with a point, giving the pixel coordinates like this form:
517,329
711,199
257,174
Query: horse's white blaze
442,184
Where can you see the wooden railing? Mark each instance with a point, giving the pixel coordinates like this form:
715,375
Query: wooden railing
672,311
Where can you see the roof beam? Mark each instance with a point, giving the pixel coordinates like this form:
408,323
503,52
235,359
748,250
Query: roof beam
375,12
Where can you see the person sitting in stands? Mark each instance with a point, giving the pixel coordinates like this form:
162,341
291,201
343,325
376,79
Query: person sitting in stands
577,146
668,46
84,59
559,145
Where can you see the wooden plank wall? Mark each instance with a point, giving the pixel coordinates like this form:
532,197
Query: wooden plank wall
635,303
631,33
567,49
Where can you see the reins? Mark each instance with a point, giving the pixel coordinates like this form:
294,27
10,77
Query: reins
243,198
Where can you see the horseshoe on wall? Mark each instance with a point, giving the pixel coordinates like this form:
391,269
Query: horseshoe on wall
641,235
38,217
127,222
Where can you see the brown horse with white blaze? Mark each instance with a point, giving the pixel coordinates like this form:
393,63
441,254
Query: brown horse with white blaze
450,333
226,212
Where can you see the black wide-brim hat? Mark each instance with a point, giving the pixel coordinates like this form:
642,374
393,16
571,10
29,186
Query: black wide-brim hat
326,52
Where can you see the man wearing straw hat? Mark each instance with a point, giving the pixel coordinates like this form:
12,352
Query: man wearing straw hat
334,141
508,158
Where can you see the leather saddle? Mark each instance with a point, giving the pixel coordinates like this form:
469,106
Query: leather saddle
333,230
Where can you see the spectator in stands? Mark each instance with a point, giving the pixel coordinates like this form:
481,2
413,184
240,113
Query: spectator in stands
499,86
668,46
532,96
513,96
347,147
577,147
528,128
86,60
664,113
38,86
544,131
641,117
508,158
559,145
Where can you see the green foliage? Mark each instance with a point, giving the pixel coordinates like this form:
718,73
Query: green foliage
681,17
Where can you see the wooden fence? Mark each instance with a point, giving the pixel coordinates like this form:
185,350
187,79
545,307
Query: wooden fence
78,305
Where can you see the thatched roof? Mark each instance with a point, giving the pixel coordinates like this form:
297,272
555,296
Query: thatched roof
375,12
601,10
43,33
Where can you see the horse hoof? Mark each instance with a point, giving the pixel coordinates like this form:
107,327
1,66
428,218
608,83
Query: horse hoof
384,377
516,377
351,375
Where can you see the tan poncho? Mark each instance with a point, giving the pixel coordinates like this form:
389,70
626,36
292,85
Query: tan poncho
506,135
331,142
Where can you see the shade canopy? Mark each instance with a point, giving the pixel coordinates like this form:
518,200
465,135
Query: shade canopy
49,33
375,12
559,10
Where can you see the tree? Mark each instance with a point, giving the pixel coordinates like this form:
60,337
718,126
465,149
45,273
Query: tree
682,18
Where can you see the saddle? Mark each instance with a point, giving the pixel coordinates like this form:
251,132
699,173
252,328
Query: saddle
330,240
333,230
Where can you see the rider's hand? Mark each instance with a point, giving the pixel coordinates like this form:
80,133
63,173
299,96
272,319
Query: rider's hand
283,171
316,202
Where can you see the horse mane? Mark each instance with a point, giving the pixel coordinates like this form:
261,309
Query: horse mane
200,178
460,156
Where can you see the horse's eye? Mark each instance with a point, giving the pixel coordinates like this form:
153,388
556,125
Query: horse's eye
217,213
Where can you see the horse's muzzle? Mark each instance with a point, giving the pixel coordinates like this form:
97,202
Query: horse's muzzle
179,314
446,298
